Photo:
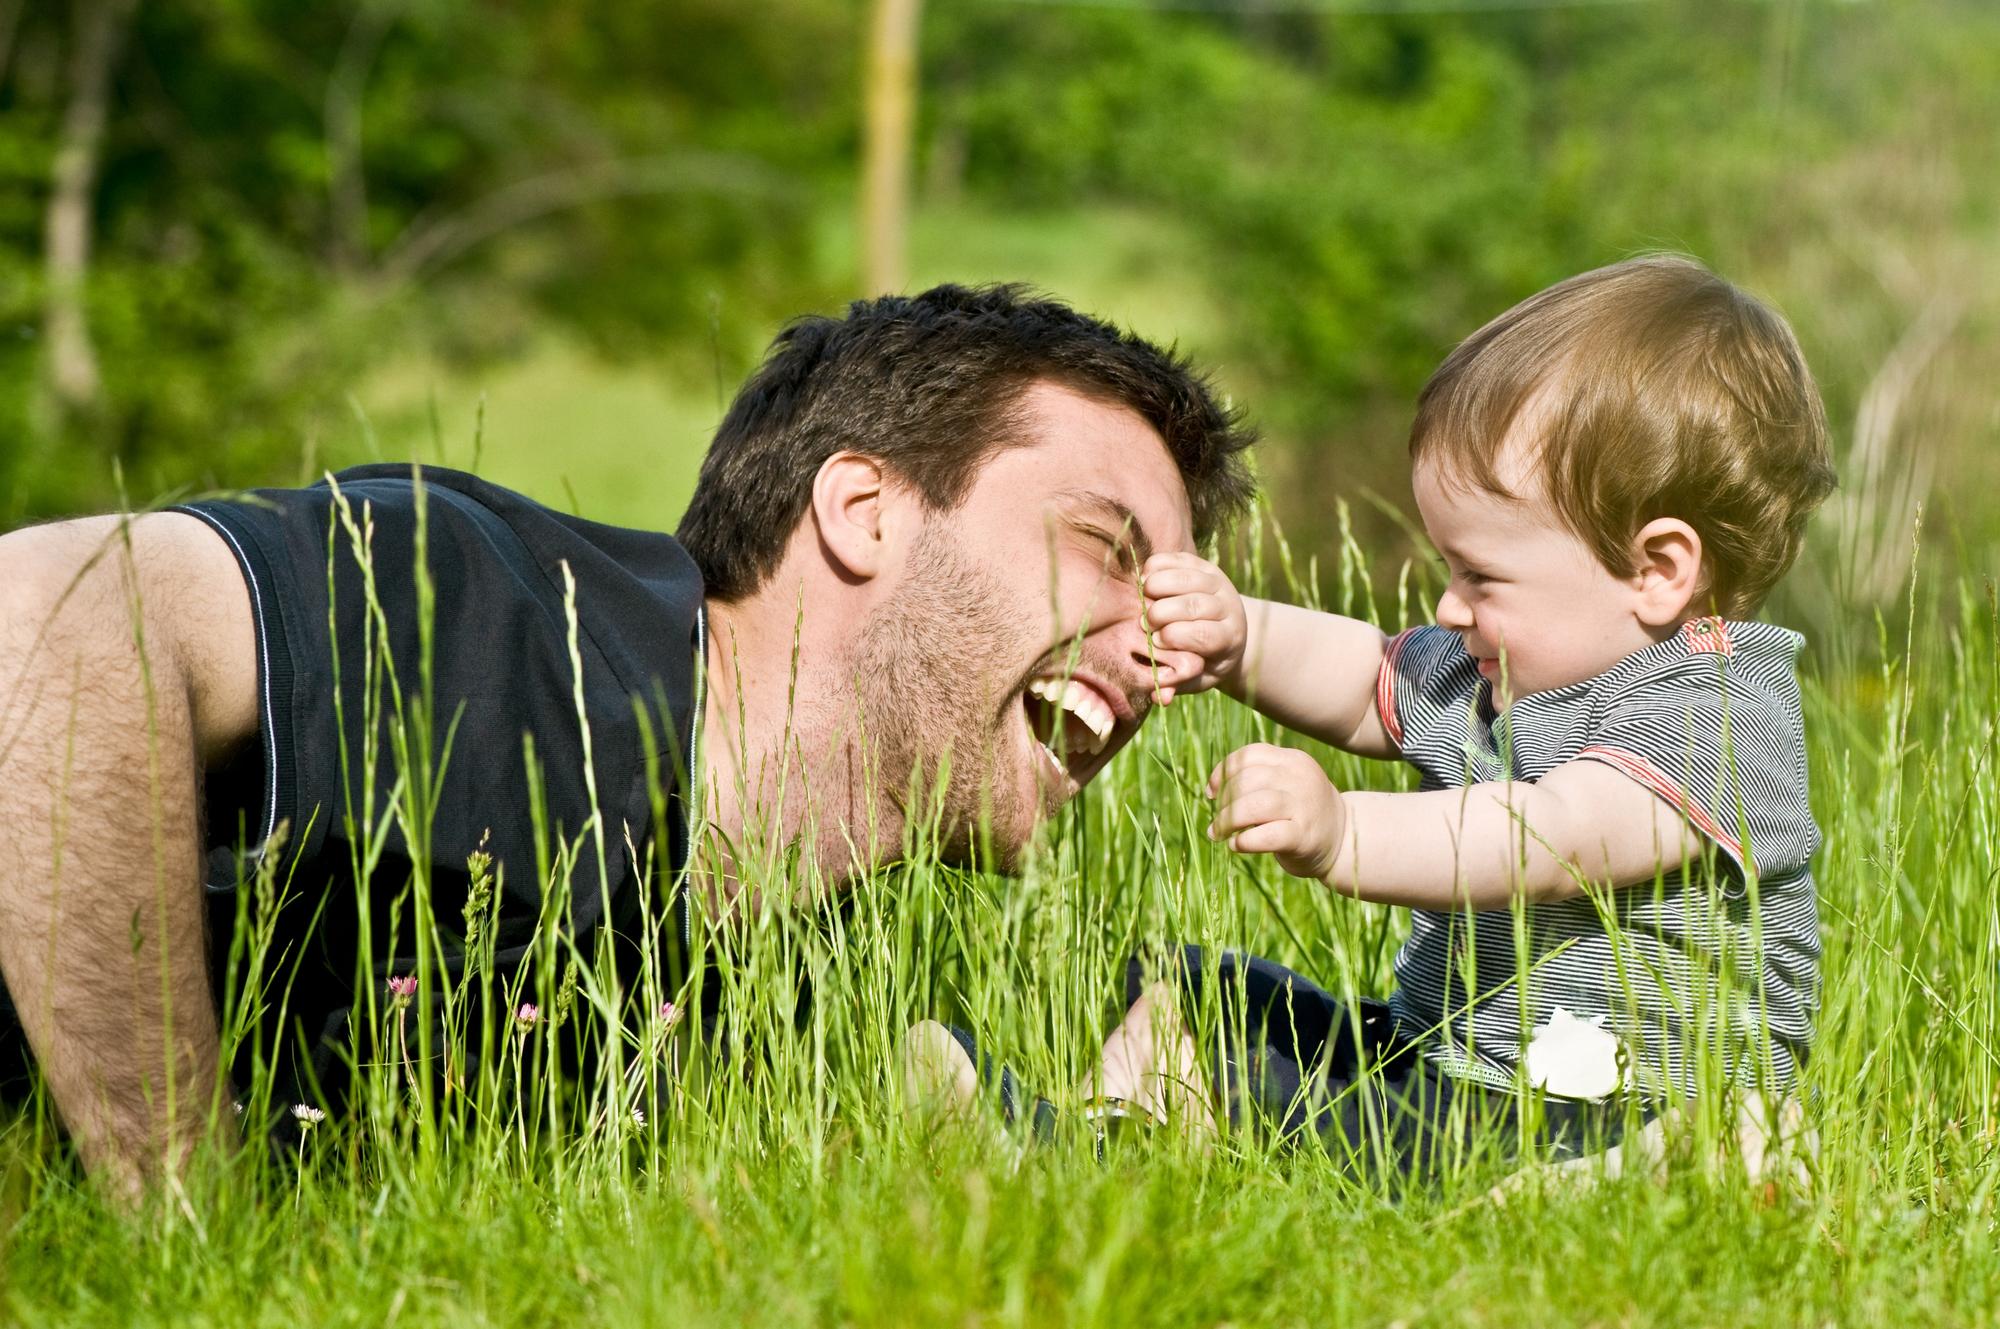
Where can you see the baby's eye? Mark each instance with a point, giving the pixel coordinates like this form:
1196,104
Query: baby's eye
1467,575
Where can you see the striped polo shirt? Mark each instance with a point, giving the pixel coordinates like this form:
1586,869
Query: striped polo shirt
1715,964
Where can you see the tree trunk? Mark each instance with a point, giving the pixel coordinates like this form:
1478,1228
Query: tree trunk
10,23
890,107
72,359
346,176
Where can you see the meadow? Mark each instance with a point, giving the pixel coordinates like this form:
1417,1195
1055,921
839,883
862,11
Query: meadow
546,242
774,1173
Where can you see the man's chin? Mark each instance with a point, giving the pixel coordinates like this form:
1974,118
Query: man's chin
990,848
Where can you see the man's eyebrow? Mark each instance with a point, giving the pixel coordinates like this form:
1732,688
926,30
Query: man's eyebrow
1120,518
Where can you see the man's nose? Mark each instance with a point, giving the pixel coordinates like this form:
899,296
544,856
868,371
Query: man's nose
1131,647
1452,611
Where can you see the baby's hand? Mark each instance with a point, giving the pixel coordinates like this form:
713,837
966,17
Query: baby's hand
1197,623
1272,800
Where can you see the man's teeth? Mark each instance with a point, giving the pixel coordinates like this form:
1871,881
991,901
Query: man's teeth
1055,762
1081,702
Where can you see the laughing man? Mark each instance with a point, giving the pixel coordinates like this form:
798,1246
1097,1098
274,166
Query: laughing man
936,504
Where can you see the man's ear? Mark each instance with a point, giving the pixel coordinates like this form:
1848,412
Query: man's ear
851,501
1668,572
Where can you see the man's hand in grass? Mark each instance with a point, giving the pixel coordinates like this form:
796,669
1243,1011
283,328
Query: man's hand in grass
1197,622
1278,801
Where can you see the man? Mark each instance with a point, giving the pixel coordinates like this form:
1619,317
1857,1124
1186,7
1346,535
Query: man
911,553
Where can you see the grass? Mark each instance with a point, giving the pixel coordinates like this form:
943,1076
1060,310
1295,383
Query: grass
776,1179
618,443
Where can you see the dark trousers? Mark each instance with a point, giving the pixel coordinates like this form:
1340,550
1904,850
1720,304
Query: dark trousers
1294,1061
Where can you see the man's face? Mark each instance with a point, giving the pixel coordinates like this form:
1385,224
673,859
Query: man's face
1011,647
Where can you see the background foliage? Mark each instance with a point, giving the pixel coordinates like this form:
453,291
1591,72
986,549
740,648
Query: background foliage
327,227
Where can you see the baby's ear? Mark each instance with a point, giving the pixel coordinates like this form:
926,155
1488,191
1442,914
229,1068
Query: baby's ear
1667,556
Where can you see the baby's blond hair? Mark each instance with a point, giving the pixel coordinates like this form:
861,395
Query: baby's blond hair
1661,391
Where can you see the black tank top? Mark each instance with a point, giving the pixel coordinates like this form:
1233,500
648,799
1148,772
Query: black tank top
501,683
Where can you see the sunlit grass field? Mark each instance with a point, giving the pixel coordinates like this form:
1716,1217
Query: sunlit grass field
773,1172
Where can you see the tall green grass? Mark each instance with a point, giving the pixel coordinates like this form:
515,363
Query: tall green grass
611,1161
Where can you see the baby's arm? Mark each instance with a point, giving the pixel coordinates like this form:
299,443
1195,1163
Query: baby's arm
1478,847
1312,672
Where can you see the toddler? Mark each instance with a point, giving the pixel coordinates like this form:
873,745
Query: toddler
1607,862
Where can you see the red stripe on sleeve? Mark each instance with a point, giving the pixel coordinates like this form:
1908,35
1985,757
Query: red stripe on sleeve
1651,776
1385,686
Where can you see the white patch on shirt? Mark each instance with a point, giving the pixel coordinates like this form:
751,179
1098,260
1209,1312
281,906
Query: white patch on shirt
1574,1058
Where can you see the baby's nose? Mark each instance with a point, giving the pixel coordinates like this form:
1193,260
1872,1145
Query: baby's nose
1452,611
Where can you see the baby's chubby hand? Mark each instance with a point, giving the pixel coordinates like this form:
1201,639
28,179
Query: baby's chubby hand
1272,800
1197,624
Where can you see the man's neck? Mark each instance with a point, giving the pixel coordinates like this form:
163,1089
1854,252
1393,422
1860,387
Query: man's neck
776,761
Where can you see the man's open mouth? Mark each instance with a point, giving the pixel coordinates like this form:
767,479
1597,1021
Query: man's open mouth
1073,723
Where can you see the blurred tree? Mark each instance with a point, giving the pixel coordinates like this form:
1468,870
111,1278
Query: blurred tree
267,191
99,32
891,74
276,193
1364,189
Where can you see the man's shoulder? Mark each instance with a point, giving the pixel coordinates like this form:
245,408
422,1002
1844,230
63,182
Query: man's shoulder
530,622
464,520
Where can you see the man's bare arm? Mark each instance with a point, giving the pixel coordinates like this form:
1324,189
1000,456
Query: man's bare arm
127,663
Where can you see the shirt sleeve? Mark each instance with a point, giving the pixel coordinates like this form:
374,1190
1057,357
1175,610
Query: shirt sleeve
499,670
287,592
1426,677
1726,752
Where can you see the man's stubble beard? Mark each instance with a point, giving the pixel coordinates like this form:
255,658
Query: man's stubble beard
932,670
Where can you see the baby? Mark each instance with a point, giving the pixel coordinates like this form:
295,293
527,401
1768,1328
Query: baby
1608,860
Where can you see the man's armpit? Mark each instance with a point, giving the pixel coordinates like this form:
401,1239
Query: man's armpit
198,601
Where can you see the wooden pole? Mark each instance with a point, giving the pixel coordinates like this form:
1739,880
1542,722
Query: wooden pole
890,100
72,358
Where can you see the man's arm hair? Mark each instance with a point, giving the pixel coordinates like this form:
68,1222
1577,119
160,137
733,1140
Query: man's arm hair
127,662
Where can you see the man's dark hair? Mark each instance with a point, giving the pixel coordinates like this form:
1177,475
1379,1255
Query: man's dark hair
930,384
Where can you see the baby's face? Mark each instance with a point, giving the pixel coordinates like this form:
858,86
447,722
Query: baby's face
1530,600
